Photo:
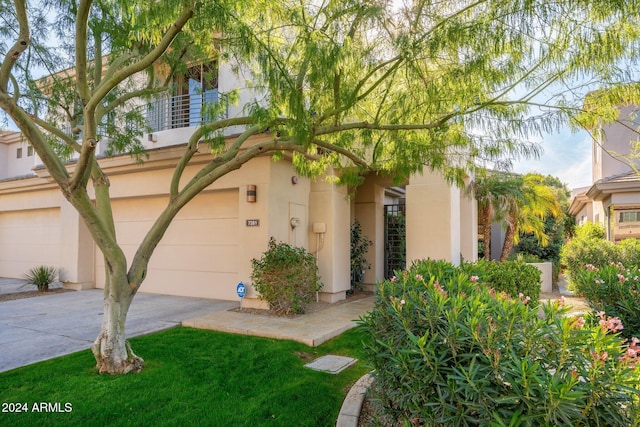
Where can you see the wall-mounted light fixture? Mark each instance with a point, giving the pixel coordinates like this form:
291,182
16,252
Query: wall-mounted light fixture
251,193
294,222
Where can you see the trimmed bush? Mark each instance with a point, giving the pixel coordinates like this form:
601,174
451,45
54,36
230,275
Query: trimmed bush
513,277
286,277
449,351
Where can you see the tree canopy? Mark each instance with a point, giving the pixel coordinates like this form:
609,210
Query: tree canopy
389,86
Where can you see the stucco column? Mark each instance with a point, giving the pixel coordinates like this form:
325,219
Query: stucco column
433,218
328,205
369,211
77,251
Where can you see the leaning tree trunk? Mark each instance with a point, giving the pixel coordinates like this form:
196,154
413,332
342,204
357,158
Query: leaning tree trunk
112,351
509,236
486,231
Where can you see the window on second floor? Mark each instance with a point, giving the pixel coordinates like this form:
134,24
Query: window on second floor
19,153
29,151
629,216
194,90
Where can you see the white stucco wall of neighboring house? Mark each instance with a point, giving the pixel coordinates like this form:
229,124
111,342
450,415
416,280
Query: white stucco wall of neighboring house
614,143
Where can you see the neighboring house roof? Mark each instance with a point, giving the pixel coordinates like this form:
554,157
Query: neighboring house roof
624,182
578,200
9,136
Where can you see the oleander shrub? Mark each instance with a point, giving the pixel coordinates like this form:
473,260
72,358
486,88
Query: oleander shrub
615,290
286,277
514,277
447,350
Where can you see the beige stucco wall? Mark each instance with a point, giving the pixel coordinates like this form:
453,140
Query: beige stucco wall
615,142
328,204
433,218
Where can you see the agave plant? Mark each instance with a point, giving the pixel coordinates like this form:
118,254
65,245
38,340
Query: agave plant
41,276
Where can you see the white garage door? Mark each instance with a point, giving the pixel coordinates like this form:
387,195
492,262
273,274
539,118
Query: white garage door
198,254
28,239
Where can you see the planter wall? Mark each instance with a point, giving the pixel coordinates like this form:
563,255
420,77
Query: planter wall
546,268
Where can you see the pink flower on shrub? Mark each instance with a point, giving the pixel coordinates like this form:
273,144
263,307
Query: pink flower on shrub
577,322
419,277
439,289
610,324
523,298
621,278
599,281
590,267
474,278
394,279
562,301
599,356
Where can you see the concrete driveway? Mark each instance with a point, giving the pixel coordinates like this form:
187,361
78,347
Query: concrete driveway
40,328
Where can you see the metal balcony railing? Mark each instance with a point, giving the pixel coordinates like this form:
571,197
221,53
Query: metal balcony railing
182,111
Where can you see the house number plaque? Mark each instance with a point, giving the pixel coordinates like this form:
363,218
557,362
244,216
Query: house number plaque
253,223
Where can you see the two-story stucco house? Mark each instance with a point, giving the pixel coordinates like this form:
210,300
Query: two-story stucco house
613,199
209,246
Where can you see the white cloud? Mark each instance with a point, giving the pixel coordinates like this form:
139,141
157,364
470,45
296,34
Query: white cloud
565,155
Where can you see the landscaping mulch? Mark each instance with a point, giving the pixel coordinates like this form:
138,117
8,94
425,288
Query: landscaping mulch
32,294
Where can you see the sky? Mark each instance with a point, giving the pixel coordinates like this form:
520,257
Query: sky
565,155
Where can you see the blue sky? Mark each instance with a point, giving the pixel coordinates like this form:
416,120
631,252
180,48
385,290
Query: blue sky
566,155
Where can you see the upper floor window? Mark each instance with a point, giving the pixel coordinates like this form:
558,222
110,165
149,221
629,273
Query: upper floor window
629,216
194,90
19,153
29,151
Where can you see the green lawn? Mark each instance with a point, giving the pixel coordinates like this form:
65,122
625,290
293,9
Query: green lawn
191,377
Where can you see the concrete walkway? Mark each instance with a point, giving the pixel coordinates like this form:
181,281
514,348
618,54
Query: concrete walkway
311,329
41,328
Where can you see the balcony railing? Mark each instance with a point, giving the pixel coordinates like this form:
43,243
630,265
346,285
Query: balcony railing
182,111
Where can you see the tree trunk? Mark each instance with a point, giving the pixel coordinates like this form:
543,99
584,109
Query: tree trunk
507,246
486,231
112,351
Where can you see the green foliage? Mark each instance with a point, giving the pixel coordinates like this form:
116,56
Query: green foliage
587,247
447,350
514,277
286,277
360,245
41,277
590,230
613,289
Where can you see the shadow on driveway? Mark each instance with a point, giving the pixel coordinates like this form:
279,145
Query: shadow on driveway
40,328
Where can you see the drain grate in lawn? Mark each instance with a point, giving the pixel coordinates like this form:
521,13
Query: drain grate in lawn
331,364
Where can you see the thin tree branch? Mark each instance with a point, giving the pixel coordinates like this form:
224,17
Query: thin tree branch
18,47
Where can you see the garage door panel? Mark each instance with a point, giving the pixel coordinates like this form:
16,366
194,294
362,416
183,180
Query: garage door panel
198,251
27,239
215,231
197,258
192,284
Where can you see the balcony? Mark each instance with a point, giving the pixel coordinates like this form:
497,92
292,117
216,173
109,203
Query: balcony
188,110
